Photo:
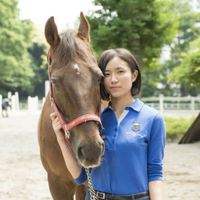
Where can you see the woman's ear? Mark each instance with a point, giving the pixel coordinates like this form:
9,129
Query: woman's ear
134,75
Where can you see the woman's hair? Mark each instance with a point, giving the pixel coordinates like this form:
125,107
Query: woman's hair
126,56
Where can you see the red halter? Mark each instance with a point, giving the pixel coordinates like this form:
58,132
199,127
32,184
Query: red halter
77,121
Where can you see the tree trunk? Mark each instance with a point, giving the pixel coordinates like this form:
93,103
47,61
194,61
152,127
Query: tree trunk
193,133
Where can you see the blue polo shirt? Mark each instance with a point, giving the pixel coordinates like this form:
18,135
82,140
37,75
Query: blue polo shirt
134,149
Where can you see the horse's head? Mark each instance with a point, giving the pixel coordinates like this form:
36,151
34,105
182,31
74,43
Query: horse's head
75,80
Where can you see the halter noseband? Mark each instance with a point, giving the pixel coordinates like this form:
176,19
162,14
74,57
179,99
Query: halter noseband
75,122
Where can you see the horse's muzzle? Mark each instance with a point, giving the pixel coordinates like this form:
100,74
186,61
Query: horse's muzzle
89,155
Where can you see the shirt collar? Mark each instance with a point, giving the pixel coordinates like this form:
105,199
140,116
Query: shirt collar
107,107
136,105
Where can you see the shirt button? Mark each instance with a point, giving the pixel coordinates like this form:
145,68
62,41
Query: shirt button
115,129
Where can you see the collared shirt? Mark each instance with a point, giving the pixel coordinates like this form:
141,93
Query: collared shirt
134,149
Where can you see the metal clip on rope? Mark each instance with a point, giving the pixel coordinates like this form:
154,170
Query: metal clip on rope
90,186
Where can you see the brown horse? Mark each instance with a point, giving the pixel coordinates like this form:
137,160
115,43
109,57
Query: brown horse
75,88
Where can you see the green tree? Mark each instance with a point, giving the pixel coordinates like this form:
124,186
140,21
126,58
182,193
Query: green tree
38,53
15,37
142,26
187,32
189,70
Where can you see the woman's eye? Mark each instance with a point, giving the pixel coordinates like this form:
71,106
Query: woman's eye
120,72
106,74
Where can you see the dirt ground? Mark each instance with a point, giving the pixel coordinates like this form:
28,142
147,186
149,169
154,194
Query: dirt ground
22,176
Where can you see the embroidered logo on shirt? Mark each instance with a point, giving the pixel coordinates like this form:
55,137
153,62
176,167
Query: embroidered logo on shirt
135,134
136,127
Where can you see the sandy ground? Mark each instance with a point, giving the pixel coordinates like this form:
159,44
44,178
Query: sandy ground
22,176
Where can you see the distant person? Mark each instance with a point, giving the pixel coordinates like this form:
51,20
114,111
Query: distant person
5,104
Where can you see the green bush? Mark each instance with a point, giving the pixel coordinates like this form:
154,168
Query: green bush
177,127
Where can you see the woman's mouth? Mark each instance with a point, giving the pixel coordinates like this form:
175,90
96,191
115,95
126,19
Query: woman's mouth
114,87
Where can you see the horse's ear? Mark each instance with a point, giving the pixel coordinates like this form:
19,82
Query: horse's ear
51,32
84,28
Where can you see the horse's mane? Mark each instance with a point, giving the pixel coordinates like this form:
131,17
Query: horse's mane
71,49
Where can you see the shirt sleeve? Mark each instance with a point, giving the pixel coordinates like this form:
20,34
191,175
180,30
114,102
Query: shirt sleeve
82,177
156,149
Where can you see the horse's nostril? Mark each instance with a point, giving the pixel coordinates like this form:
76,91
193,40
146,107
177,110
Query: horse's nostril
80,153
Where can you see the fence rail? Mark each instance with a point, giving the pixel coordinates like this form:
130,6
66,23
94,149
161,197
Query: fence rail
162,103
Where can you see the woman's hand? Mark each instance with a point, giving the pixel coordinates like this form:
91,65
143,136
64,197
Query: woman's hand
57,127
70,161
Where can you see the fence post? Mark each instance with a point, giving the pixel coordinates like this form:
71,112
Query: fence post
46,88
32,104
192,104
11,98
43,101
0,102
13,103
161,103
9,95
17,101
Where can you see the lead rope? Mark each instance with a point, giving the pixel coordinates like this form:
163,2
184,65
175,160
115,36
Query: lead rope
91,186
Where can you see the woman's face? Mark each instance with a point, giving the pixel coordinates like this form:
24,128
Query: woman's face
119,78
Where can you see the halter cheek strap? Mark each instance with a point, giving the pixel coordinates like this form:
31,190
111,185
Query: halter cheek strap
75,122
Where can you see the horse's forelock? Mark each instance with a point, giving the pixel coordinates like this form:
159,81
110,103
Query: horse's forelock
68,45
71,49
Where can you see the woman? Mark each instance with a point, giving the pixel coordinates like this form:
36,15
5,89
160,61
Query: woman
134,136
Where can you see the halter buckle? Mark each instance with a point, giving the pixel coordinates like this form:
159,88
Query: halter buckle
52,101
67,133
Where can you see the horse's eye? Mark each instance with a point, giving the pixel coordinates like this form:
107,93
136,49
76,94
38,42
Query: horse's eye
55,82
100,78
49,60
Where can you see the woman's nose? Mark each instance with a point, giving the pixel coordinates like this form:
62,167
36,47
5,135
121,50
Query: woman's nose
114,79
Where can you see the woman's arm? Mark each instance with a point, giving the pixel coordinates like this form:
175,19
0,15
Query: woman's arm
70,161
155,157
156,190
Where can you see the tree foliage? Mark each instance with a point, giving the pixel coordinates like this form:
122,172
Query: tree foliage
142,26
185,50
38,52
187,31
189,70
15,36
21,58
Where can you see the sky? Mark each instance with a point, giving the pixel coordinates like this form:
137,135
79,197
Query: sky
65,12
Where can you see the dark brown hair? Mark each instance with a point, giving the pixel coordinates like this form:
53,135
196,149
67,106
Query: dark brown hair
125,55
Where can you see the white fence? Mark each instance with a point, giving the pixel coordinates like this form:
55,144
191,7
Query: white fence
32,104
0,102
163,104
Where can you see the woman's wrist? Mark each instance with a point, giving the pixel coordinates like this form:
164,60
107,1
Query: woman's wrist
61,141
